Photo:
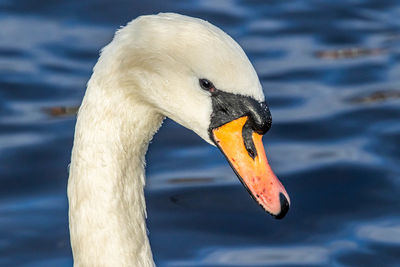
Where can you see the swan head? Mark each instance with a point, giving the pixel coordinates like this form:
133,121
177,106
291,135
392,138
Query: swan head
197,75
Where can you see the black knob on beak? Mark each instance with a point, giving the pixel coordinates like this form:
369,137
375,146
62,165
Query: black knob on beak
260,116
228,107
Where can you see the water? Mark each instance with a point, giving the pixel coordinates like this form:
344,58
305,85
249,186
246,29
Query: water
331,74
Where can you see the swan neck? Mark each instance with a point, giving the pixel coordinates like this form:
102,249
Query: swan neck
105,189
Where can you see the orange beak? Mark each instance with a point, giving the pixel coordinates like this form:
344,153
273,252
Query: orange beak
254,172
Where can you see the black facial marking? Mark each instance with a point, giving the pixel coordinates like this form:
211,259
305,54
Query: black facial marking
228,107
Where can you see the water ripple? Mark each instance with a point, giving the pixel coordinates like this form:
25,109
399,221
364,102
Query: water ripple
330,71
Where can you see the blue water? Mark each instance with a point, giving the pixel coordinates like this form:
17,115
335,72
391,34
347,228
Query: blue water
331,74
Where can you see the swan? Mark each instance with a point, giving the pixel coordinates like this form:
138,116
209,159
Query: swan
157,66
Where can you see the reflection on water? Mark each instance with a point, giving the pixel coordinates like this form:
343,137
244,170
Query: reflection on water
62,111
376,96
349,53
330,70
387,232
259,256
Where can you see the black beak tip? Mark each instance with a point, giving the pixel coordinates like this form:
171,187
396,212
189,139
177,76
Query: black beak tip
284,207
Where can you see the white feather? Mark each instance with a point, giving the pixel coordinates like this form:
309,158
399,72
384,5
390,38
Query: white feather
150,70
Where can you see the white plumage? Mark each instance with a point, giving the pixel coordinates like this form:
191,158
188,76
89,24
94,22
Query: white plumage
150,70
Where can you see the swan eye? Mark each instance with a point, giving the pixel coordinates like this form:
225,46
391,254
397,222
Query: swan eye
206,85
